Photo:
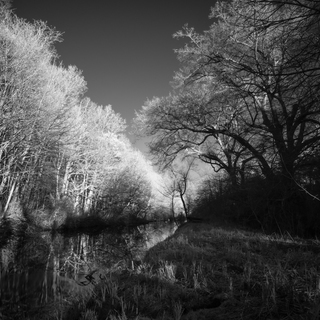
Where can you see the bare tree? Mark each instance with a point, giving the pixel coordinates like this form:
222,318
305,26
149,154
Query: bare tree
248,81
179,184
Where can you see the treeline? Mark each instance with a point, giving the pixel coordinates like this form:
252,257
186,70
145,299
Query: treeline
58,148
246,100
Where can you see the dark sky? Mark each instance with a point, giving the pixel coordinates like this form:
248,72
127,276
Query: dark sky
124,48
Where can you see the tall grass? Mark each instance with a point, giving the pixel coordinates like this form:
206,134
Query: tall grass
204,272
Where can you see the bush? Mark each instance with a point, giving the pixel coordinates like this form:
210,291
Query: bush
272,206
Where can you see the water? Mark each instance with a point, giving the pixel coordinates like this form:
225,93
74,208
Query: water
37,271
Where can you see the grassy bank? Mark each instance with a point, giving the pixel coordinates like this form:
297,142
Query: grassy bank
201,272
205,272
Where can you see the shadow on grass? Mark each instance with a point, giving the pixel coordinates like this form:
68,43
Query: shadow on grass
203,272
206,272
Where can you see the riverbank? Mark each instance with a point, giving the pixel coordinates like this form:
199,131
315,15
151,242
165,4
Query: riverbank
204,272
200,272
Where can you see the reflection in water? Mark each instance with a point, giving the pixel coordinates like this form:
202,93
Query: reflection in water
43,270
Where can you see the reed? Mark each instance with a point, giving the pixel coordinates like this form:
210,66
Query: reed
204,272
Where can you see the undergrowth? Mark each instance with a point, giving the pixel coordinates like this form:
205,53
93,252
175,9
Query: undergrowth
203,272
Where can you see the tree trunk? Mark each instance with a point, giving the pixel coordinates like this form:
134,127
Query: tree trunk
9,199
65,185
184,205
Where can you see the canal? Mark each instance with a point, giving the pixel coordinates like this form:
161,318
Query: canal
38,272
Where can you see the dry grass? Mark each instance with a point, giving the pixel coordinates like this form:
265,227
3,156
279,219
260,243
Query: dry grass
204,272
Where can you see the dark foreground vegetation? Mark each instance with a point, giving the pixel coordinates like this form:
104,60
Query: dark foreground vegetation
262,205
202,272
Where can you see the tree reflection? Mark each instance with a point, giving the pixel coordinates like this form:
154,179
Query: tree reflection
43,271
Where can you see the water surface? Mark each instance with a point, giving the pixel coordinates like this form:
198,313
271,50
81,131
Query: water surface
39,270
